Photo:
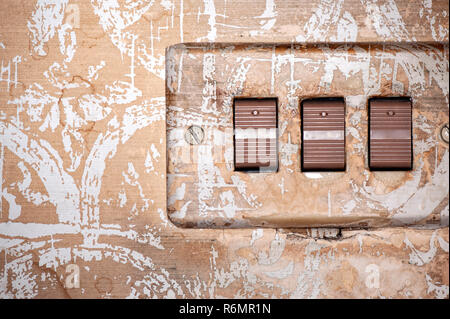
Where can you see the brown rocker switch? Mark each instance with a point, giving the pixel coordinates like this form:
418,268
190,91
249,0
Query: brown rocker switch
323,134
255,134
390,133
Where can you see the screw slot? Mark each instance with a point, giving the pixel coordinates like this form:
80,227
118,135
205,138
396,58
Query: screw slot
194,135
390,113
255,112
445,133
324,114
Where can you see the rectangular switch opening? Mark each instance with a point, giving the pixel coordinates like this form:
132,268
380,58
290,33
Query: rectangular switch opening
255,138
323,134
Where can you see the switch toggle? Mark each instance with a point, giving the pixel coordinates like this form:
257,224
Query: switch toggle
255,134
390,133
323,134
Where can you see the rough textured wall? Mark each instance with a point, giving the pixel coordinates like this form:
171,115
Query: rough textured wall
83,161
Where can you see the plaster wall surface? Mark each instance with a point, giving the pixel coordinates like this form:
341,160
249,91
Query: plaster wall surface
83,156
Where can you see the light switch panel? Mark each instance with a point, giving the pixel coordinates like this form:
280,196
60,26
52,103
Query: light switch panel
212,91
255,134
323,134
390,133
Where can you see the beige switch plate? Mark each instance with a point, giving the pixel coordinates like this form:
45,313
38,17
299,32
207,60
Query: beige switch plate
204,190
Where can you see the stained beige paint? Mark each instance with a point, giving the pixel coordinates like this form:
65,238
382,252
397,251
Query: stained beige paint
83,169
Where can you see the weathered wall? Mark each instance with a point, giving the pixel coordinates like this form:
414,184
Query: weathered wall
83,161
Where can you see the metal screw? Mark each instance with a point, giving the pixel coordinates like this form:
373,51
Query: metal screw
194,135
255,112
391,113
323,114
445,133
